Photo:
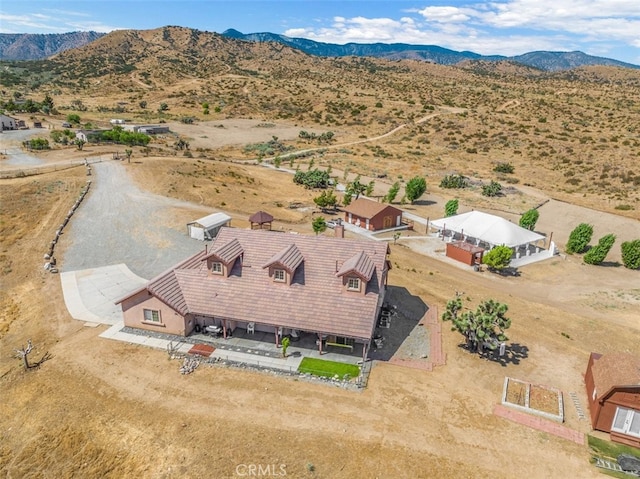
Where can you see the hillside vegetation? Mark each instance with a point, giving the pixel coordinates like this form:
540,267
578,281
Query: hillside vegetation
572,134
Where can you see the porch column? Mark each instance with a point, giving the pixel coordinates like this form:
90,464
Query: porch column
277,338
320,343
224,328
365,350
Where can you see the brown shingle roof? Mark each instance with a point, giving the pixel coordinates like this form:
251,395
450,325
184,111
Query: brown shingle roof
366,208
359,264
289,258
615,369
316,300
261,217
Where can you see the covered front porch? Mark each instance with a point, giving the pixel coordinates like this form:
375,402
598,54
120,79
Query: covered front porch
263,343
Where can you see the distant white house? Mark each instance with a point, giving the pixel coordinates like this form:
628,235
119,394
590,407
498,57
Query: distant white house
8,123
207,227
147,129
117,121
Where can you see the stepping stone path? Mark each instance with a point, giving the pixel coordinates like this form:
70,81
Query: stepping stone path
576,403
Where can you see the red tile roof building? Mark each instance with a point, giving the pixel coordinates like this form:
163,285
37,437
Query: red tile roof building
371,215
316,284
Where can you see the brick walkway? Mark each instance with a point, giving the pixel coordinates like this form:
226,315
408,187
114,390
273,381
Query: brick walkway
539,423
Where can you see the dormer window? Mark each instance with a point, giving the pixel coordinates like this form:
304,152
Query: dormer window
279,275
353,284
216,267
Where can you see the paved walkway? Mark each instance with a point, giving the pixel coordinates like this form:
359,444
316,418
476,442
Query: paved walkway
539,423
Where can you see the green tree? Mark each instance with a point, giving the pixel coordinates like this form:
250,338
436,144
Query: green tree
498,258
454,181
370,186
415,188
392,193
312,179
163,107
579,238
631,254
47,104
492,189
598,253
484,327
73,118
326,200
128,152
529,219
80,143
285,345
355,188
319,225
451,208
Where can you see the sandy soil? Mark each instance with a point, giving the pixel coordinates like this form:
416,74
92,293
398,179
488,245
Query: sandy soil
106,409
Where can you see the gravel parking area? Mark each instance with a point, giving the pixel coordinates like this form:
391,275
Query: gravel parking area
119,223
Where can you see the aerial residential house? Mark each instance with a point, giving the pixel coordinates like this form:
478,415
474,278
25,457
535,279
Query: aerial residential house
371,215
88,135
613,390
8,123
278,283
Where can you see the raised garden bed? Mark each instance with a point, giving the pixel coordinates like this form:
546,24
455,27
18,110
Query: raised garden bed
533,398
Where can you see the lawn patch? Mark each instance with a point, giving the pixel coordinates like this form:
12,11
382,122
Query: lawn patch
328,369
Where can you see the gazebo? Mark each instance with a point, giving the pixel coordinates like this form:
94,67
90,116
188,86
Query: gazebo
261,220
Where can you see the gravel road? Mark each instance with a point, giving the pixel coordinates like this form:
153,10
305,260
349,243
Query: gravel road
119,223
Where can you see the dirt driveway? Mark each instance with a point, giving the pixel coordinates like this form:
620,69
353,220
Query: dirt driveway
119,223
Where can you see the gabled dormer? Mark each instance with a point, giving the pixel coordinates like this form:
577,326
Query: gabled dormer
282,266
356,273
221,260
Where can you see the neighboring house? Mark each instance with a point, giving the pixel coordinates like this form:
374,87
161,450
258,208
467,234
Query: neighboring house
146,129
207,228
371,215
87,135
278,283
117,121
613,390
8,123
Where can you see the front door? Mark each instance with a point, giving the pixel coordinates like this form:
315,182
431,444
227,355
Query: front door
387,222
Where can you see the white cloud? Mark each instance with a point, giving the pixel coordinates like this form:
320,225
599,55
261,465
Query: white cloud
61,22
508,27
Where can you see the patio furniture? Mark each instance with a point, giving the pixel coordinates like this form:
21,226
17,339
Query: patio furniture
213,330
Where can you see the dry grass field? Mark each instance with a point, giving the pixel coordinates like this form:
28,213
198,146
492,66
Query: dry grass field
101,408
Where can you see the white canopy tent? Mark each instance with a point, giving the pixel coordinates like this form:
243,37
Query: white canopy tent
207,228
487,228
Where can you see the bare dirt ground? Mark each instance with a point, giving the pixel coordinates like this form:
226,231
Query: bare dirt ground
107,409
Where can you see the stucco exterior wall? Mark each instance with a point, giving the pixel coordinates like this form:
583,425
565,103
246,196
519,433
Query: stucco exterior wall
171,321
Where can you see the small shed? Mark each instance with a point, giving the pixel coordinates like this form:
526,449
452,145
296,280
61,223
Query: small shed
261,220
207,228
465,252
371,215
613,391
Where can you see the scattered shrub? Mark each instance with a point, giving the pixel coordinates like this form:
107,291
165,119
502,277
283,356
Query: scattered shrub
492,189
504,168
597,254
498,258
529,219
579,238
454,181
451,208
631,254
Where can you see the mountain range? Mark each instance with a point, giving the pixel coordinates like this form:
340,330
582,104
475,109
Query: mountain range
39,46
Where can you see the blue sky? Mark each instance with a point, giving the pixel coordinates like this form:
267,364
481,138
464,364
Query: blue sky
609,28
